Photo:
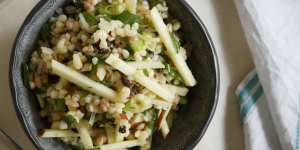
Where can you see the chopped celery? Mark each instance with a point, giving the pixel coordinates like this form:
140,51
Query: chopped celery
165,128
85,137
109,9
177,59
128,18
120,145
52,133
148,64
137,45
82,81
139,77
178,90
90,18
83,23
131,5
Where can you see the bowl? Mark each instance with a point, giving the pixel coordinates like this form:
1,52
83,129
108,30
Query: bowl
192,119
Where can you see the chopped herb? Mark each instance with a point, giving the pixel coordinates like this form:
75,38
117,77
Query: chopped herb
32,67
107,83
146,72
90,18
170,70
43,88
128,106
175,41
109,9
153,121
98,117
78,3
41,101
46,31
101,61
183,100
56,105
70,120
60,104
128,18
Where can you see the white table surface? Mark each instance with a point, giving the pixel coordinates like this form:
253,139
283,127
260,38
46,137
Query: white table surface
221,20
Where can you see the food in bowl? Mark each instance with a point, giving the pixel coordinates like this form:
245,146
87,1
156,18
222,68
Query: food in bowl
107,74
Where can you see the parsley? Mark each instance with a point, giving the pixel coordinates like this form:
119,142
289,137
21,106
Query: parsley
128,18
90,18
146,72
46,31
175,42
70,120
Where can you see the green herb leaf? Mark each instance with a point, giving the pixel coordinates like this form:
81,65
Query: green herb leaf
101,61
70,120
153,121
183,100
128,106
90,18
41,101
128,18
99,117
46,31
103,8
107,83
43,88
60,105
170,70
175,42
146,72
78,3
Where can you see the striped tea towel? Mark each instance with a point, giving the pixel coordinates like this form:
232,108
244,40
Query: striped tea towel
259,128
270,99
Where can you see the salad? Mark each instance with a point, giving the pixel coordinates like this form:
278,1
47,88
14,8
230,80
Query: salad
107,74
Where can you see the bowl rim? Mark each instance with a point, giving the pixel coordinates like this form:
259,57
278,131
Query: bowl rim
24,121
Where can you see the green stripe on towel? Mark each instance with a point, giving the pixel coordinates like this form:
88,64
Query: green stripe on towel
252,100
249,86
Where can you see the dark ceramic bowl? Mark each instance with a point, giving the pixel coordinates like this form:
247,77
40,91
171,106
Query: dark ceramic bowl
192,120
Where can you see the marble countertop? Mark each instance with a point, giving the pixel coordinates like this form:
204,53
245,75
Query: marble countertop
221,19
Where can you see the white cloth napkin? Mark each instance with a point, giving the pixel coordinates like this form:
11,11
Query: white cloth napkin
272,28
